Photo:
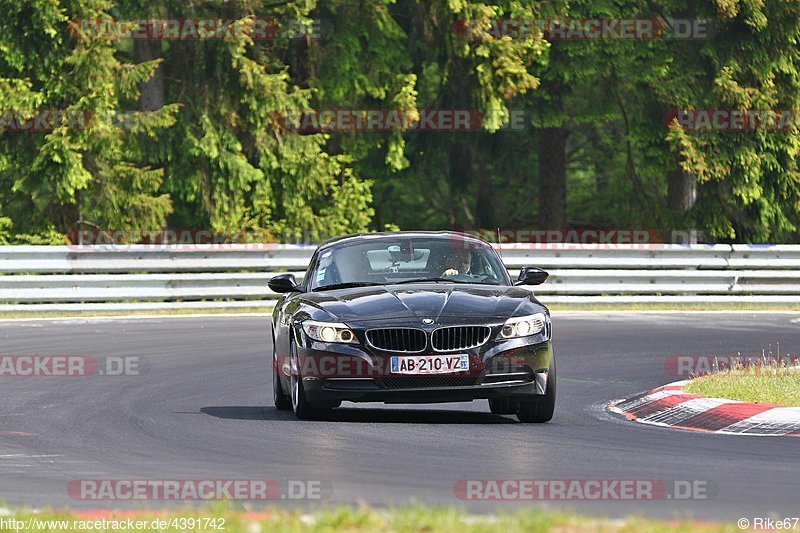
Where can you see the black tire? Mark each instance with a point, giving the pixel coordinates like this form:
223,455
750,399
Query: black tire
502,406
541,410
301,407
281,400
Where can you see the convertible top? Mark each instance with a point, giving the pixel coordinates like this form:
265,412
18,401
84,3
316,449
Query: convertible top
412,234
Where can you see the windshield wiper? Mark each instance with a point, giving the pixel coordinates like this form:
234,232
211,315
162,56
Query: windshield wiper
426,280
347,285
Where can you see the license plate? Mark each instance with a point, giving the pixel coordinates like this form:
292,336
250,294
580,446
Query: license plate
429,364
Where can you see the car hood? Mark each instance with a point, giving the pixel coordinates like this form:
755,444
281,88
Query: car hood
429,300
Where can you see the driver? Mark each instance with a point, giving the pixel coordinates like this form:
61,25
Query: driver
458,263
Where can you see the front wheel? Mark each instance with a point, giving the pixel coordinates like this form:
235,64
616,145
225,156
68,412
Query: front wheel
279,398
502,406
541,409
301,407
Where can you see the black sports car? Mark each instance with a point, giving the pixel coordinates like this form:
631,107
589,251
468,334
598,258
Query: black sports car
411,317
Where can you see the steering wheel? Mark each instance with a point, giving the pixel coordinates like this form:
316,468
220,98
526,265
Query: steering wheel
469,277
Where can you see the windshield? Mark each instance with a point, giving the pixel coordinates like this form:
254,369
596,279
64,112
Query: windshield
401,259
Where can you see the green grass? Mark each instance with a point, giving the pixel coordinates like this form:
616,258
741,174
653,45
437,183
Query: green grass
266,311
355,520
768,382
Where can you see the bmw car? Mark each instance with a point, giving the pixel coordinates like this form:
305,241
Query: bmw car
411,317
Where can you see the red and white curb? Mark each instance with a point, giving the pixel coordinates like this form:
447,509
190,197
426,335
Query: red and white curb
669,406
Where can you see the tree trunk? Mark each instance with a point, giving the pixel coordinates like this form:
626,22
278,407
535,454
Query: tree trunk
484,210
460,176
681,196
553,178
152,96
681,191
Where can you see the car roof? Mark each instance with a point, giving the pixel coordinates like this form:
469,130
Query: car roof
412,234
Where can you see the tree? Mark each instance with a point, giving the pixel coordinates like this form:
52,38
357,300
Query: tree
748,183
80,171
231,164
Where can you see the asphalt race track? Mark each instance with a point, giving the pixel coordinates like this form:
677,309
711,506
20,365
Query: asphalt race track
201,408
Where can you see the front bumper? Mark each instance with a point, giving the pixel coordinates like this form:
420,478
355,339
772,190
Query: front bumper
331,373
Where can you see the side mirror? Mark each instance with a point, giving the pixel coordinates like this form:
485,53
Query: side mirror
531,276
283,283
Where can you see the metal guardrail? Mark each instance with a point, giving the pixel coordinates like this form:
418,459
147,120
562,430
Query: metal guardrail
60,278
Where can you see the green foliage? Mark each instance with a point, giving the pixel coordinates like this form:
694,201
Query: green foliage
44,237
79,171
750,185
214,152
5,230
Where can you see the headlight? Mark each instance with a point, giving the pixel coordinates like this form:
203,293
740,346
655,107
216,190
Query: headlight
329,332
523,326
